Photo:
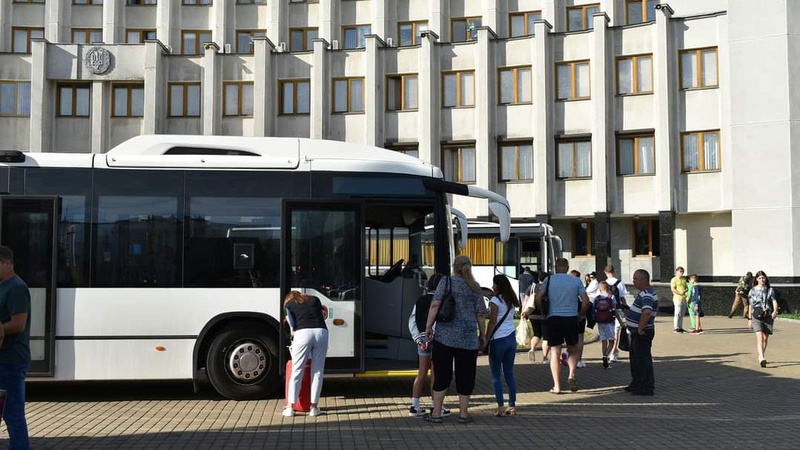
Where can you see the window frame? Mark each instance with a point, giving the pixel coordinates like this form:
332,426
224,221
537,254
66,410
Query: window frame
459,75
85,2
130,87
185,99
574,227
40,2
634,251
141,2
450,147
197,3
634,74
635,137
251,2
701,151
281,100
467,20
305,31
141,32
16,108
356,28
574,87
402,77
252,33
198,44
416,33
405,148
239,101
350,81
574,142
699,61
585,21
28,31
515,76
74,86
516,143
525,15
87,33
644,11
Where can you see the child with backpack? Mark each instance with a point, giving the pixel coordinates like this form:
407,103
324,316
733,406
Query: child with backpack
604,310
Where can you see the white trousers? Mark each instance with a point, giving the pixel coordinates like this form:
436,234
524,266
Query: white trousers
680,311
308,343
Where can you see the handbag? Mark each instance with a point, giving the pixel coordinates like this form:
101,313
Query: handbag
762,312
496,326
447,310
624,340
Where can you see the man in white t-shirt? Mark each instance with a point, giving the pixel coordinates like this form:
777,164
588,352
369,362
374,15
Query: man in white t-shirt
617,287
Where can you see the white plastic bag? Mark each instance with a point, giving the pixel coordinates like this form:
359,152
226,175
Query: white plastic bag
524,332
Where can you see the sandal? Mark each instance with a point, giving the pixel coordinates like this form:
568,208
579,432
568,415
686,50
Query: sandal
554,391
573,384
532,355
468,419
498,413
511,411
432,419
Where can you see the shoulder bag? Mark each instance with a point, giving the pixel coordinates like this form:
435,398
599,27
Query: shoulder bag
447,310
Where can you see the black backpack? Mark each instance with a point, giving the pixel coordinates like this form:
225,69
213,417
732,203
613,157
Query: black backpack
620,300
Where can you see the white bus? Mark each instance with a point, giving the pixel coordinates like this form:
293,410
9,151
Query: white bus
168,257
531,245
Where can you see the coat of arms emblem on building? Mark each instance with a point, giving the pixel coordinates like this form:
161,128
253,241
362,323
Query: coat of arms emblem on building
98,60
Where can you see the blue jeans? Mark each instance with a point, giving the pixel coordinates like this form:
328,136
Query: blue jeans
501,357
12,380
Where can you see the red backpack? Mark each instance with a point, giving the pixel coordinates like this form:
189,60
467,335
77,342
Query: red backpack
603,309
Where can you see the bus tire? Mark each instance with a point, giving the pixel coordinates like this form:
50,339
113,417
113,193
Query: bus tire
242,363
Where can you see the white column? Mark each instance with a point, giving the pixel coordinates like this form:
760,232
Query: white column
277,28
212,91
485,109
603,154
491,16
329,20
555,12
320,88
611,8
164,32
100,115
664,97
219,18
155,85
41,126
543,140
112,30
378,18
429,114
439,18
374,90
264,85
57,16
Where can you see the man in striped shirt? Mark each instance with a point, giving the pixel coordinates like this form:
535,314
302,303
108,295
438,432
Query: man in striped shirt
639,320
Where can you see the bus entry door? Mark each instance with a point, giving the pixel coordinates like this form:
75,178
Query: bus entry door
29,227
322,256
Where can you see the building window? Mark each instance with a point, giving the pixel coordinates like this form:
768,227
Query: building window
579,18
638,11
238,98
410,149
139,36
348,95
458,163
302,39
515,85
575,159
192,41
244,40
582,238
521,24
87,35
251,2
184,99
409,32
21,38
573,80
699,68
645,238
700,151
141,2
28,1
635,75
458,89
81,2
516,161
636,155
356,36
73,100
15,98
465,29
295,97
401,92
128,100
197,2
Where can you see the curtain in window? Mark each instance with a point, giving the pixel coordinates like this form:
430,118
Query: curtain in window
564,81
626,159
688,70
450,90
591,11
356,95
137,102
231,100
525,162
288,98
411,93
575,17
508,158
507,86
7,98
340,96
193,100
406,34
303,97
247,99
645,74
709,58
310,36
583,157
582,80
531,19
176,100
467,89
120,101
710,151
517,26
82,106
646,163
624,76
450,164
362,35
690,152
634,12
24,99
350,38
565,160
468,164
524,84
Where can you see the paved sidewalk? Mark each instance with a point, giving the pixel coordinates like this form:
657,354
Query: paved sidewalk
710,393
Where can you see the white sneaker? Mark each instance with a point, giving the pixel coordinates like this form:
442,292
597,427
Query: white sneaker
614,357
315,412
288,411
580,364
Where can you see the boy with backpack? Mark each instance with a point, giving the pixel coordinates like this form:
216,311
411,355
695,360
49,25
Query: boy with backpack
695,308
605,310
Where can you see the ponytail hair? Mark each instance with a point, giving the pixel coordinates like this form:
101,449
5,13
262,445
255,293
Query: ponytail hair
295,296
462,265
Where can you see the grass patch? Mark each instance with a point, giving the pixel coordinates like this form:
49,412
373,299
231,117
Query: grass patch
793,315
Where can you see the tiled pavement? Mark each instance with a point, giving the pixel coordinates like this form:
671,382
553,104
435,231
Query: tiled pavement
710,394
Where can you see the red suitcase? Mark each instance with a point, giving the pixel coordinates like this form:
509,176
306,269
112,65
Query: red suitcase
304,400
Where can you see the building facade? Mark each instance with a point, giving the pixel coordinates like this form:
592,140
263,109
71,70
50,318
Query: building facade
650,135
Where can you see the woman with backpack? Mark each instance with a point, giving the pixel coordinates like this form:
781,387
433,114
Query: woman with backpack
503,343
762,313
604,309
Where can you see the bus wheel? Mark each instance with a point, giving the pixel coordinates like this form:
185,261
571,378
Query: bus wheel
242,363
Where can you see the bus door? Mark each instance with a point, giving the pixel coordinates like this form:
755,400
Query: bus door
322,255
29,226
